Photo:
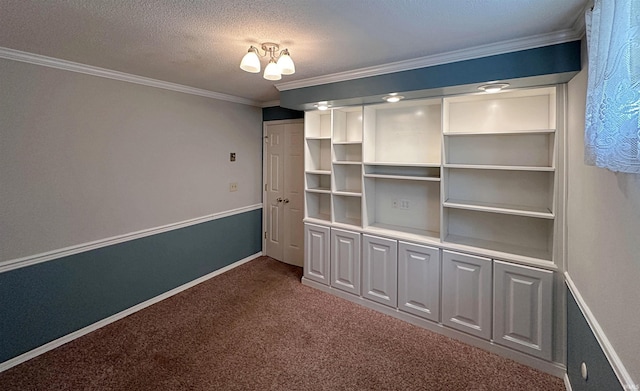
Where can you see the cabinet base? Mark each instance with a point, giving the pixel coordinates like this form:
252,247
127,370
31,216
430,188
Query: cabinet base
552,368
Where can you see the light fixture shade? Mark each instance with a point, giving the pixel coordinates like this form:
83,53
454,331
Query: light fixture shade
251,62
286,64
272,71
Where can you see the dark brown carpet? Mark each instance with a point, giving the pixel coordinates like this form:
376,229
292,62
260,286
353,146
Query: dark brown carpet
257,327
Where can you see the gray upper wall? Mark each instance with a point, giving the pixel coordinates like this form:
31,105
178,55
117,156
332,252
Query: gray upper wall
545,65
603,254
83,158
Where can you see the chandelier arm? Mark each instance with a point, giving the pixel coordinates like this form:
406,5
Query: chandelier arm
257,51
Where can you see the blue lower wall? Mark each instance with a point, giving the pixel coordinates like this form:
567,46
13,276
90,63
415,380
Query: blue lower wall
43,302
582,346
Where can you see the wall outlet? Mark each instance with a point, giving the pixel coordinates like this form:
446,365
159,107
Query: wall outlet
232,157
233,186
404,204
395,204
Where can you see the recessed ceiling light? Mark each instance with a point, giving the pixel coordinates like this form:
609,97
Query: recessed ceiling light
322,106
492,88
393,98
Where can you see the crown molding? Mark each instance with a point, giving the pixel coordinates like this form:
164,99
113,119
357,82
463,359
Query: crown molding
512,45
580,25
37,59
270,103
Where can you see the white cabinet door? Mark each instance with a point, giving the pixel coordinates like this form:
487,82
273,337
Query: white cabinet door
466,293
345,260
419,280
522,317
316,253
379,270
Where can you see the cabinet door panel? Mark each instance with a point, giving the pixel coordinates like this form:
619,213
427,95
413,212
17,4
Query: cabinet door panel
466,293
316,254
345,260
419,280
523,308
379,270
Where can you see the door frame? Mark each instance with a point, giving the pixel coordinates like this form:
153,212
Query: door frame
264,172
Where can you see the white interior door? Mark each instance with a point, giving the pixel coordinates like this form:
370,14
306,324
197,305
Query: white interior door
284,191
274,181
293,194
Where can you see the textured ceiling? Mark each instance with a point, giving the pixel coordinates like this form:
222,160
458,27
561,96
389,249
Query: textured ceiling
200,43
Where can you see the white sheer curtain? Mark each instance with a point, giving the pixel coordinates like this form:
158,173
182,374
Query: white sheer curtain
612,138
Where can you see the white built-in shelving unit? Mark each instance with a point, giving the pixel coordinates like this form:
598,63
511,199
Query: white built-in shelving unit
475,170
440,205
402,149
318,166
499,172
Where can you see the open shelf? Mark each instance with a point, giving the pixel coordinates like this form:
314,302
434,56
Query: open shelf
419,172
403,132
347,210
506,249
351,152
519,235
511,192
347,125
407,205
518,210
501,133
318,206
317,124
495,149
402,232
347,178
509,111
318,155
497,167
319,172
319,183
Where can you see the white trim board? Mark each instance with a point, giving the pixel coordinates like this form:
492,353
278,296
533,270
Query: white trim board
271,103
567,383
13,264
614,360
503,47
101,323
37,59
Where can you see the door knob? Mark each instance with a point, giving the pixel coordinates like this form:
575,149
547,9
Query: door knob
279,199
286,200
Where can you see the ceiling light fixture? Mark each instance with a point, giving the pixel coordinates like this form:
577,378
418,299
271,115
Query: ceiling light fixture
322,106
393,97
492,88
279,63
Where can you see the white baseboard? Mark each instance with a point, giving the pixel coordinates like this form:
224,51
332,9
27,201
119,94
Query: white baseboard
101,323
567,383
13,264
552,368
614,360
